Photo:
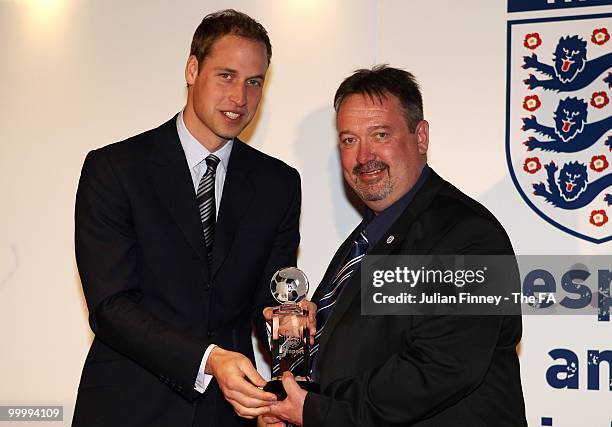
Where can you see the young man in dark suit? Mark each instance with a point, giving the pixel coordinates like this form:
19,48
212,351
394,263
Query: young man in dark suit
426,371
178,232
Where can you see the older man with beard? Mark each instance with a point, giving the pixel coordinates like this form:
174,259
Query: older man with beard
426,371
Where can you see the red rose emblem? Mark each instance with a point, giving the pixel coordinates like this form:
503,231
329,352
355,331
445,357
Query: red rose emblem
532,165
531,103
599,99
600,36
532,41
599,163
598,218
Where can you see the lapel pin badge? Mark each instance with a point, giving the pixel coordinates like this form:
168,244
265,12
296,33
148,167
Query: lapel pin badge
390,239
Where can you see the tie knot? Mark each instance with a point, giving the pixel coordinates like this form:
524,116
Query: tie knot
212,161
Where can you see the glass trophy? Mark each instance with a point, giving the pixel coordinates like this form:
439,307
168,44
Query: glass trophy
290,332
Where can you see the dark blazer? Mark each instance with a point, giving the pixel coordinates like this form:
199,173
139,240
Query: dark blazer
154,306
426,371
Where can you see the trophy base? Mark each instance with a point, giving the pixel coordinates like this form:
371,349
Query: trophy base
276,387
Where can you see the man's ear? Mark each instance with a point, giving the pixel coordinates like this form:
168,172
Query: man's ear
191,70
422,134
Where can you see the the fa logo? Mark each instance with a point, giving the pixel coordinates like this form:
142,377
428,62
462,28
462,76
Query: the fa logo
559,121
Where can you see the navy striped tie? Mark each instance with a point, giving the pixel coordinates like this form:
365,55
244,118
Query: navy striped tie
329,293
206,202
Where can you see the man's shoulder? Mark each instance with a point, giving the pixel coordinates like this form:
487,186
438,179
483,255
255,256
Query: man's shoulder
138,144
460,205
461,219
265,164
131,155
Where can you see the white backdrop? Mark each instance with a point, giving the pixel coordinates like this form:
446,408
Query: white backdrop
78,74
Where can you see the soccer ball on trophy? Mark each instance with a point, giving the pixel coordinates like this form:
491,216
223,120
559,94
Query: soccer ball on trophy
289,285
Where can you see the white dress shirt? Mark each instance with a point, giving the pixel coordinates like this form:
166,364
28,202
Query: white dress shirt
196,155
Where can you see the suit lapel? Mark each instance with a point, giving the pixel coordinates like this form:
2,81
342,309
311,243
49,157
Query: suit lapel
237,196
174,186
401,230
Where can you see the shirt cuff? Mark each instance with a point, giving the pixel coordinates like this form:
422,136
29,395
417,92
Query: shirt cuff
203,379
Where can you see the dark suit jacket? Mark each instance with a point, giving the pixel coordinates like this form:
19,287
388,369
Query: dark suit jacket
426,371
154,306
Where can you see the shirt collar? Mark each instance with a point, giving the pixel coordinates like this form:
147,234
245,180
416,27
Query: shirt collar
196,152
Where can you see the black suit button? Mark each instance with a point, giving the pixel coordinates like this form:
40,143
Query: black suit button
206,286
210,333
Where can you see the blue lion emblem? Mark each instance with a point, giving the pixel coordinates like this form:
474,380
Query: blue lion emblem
571,132
571,70
572,189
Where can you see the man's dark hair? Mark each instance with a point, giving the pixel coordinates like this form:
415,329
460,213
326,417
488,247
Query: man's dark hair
380,81
229,21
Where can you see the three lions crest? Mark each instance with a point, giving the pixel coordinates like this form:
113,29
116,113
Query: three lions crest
559,130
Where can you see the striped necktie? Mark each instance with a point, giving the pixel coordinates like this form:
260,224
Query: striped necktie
331,290
206,202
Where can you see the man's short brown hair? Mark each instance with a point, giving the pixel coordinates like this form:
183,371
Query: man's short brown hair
381,81
224,22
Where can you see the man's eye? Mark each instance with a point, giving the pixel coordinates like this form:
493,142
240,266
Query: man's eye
225,76
253,82
381,135
348,140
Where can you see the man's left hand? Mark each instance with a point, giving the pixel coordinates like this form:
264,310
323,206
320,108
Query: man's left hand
290,409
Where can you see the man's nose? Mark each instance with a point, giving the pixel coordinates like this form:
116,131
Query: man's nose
238,94
364,152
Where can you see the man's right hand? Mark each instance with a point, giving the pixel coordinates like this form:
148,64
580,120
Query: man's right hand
239,382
